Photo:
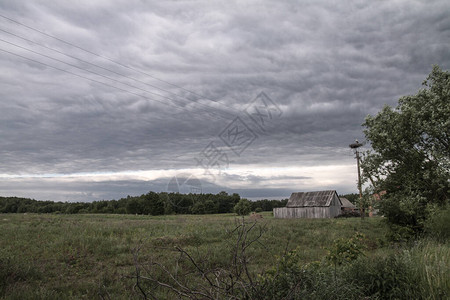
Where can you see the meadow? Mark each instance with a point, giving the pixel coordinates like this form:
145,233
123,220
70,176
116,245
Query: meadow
91,256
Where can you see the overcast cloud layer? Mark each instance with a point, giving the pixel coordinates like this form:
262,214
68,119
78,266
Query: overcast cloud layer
161,84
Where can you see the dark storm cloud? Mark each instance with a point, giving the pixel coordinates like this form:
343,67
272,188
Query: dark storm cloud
325,64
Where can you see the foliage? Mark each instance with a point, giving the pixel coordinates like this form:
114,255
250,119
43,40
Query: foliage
430,261
307,281
267,205
258,210
410,159
63,256
384,277
148,204
281,280
438,225
90,256
420,272
243,207
291,279
198,277
232,278
346,250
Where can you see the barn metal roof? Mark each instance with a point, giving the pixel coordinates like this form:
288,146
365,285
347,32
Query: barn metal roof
346,203
310,199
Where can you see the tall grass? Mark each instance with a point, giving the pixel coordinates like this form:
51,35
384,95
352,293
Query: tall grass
431,263
91,256
420,272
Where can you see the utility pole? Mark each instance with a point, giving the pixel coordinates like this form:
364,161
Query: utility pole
355,146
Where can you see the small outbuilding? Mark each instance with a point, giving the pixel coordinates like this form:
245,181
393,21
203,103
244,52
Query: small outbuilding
321,204
347,206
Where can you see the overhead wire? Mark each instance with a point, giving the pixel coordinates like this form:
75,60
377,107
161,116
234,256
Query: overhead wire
114,72
87,78
113,61
98,74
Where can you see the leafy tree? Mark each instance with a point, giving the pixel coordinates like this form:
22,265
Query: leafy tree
134,206
153,204
204,206
225,202
243,207
168,205
410,158
75,208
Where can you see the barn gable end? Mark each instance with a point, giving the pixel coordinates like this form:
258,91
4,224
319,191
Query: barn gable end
320,204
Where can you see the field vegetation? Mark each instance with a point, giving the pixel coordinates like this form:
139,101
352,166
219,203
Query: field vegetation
92,256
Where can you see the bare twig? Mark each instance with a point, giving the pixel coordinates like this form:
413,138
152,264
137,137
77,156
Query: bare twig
232,281
138,271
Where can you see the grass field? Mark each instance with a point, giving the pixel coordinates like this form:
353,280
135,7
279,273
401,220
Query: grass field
45,256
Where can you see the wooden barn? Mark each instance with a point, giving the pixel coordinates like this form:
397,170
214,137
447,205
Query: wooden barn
347,206
322,204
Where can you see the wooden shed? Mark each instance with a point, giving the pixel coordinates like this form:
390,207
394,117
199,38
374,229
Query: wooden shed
321,204
347,205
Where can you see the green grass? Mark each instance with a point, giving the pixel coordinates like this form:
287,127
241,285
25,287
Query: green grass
44,256
431,263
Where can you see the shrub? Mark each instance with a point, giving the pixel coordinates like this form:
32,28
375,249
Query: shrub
438,225
399,233
384,277
243,207
291,280
346,250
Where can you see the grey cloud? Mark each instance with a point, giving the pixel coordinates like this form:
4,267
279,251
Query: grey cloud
327,65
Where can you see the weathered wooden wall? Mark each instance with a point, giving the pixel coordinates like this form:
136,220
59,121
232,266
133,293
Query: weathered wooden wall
309,212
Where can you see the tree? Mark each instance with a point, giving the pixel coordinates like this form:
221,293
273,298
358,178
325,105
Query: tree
410,152
243,207
134,206
225,202
154,205
204,206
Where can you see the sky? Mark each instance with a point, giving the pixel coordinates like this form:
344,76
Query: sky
104,99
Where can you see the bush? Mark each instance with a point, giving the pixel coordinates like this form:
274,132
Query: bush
416,273
385,277
438,225
346,250
400,234
243,207
291,280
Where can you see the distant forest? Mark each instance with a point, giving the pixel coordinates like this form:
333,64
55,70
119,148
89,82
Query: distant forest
147,204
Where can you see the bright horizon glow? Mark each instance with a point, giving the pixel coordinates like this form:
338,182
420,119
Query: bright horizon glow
235,177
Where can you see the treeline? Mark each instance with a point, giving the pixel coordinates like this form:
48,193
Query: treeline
148,204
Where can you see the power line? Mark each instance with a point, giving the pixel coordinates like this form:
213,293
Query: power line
93,80
112,71
98,74
106,58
